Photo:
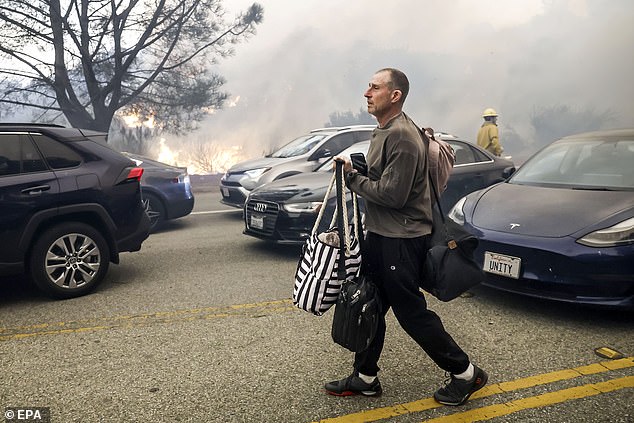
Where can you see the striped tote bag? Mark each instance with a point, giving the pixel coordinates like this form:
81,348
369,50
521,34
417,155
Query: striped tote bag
317,278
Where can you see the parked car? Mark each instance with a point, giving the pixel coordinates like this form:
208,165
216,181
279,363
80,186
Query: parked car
70,204
285,211
562,228
303,154
166,190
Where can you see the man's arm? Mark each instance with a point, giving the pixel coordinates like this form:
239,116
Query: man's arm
393,187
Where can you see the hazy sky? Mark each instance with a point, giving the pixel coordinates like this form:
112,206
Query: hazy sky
311,58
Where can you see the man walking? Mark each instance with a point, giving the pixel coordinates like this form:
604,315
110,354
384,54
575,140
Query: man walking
399,221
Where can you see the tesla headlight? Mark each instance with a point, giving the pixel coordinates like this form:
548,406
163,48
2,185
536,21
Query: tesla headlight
256,173
309,207
619,234
457,213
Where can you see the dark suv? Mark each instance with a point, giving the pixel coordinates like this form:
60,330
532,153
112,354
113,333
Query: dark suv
69,204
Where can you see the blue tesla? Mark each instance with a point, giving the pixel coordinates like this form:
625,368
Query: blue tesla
562,227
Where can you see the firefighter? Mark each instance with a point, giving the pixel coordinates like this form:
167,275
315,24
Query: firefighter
488,135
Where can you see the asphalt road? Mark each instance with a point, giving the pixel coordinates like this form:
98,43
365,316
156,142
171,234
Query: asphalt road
198,327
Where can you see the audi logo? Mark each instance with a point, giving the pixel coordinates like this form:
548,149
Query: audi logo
259,207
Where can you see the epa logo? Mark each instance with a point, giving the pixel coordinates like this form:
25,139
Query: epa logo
27,414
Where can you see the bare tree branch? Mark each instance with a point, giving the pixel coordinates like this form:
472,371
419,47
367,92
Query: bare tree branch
100,57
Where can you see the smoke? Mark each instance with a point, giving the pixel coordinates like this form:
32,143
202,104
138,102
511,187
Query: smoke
312,58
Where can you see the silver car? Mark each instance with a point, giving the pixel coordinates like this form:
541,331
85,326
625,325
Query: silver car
303,154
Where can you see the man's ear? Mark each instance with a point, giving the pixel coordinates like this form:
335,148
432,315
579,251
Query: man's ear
396,96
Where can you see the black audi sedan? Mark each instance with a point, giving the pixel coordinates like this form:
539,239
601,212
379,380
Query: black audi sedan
285,211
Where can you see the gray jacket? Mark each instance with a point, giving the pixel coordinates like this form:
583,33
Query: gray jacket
396,190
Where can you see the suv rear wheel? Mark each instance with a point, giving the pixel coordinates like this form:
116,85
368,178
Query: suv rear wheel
69,260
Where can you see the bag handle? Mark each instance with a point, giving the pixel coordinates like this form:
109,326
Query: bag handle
343,217
343,229
451,243
341,188
323,204
342,222
343,205
437,198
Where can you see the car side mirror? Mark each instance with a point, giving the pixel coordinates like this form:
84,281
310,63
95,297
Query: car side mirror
322,154
508,172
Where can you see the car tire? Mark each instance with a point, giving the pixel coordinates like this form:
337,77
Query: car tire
155,210
69,260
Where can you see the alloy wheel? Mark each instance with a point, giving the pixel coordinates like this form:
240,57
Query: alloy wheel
73,260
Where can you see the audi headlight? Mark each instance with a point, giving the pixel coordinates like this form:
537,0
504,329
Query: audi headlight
457,213
309,207
619,234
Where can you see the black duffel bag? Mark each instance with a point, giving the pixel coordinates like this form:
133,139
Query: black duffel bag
450,269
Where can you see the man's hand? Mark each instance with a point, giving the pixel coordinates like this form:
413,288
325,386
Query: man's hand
347,164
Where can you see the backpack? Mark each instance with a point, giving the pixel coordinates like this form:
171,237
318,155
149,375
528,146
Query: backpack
441,158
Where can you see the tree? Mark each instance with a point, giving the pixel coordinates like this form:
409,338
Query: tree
349,118
210,158
88,59
553,122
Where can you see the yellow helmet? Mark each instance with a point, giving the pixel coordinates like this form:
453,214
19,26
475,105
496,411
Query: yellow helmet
489,112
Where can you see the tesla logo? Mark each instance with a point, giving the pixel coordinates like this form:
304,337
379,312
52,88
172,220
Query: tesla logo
514,225
259,207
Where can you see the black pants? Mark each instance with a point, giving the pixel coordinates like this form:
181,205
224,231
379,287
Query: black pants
394,265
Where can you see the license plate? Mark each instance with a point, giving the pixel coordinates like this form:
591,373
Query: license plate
501,264
257,222
225,192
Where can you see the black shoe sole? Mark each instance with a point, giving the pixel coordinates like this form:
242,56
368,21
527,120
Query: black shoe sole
353,393
485,379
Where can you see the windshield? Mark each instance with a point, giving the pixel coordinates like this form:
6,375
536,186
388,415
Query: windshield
581,164
299,146
360,147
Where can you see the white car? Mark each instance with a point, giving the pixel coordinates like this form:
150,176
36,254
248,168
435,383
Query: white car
303,154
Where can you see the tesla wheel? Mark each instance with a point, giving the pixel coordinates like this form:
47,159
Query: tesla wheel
155,210
69,260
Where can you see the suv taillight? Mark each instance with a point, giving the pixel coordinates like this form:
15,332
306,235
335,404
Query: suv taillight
135,173
130,174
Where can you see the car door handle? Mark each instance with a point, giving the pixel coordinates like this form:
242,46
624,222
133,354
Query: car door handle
36,190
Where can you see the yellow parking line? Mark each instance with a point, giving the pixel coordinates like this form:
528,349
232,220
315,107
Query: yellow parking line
128,321
528,382
556,397
556,376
